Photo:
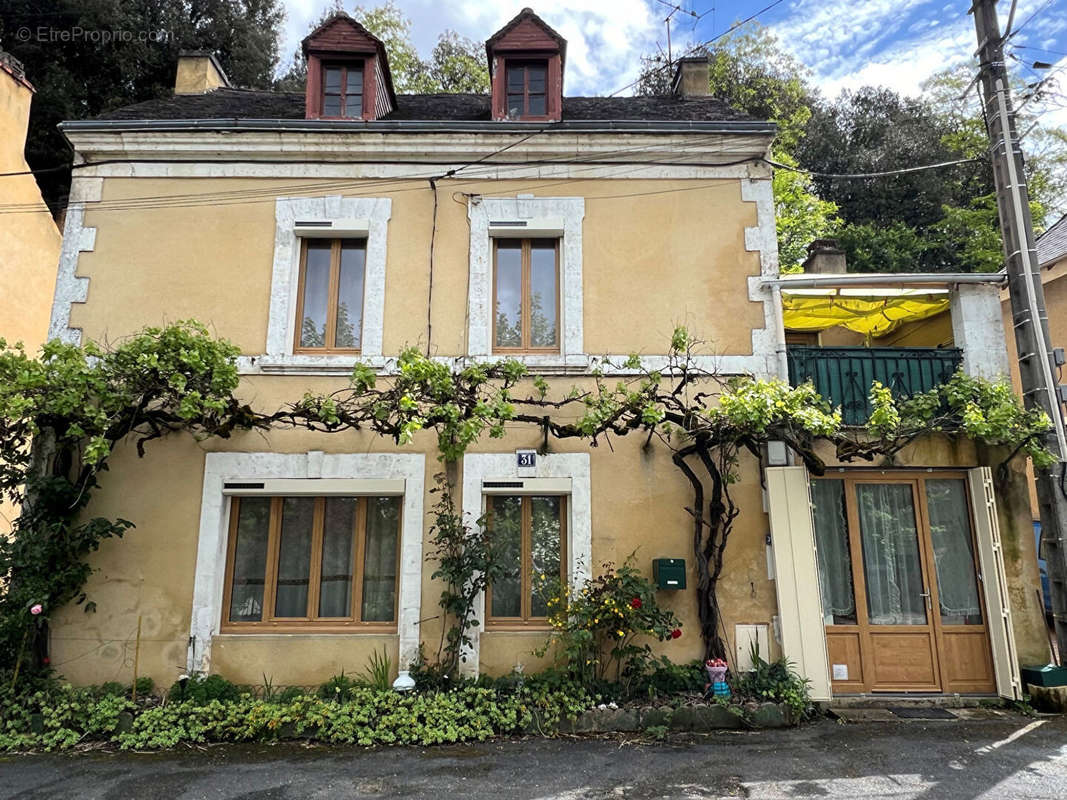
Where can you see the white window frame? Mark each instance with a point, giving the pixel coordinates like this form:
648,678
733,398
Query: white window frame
362,217
538,217
549,476
319,474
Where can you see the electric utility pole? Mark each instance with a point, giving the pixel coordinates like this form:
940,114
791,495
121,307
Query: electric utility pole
1029,318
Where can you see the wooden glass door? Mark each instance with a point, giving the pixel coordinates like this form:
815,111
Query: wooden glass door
901,605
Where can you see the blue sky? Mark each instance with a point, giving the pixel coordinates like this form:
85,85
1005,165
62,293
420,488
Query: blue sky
846,43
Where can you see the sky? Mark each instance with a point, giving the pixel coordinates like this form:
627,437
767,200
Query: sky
846,43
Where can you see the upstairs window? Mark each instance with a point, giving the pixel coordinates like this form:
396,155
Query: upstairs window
312,562
526,295
330,301
342,90
526,84
530,535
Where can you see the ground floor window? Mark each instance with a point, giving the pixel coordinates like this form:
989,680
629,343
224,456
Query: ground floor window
318,562
530,534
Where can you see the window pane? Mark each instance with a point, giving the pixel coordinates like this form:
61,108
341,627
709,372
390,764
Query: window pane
332,79
508,293
515,105
835,560
891,554
506,591
335,586
331,105
350,293
379,562
536,105
294,557
950,534
516,77
543,293
354,80
250,559
535,79
316,293
354,105
544,553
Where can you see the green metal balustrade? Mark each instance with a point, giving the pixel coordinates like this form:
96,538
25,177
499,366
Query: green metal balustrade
843,375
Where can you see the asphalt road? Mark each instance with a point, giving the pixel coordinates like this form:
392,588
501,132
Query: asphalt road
1006,758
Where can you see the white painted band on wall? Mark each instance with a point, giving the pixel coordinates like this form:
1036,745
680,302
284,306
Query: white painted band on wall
222,468
77,239
481,467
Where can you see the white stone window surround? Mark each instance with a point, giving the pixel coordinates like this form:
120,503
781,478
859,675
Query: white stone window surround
571,212
481,467
220,468
373,213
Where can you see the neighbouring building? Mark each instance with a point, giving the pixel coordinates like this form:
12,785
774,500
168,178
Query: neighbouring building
306,229
29,238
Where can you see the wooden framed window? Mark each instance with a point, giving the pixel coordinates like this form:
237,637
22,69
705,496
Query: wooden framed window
328,563
530,534
329,308
526,89
342,90
526,295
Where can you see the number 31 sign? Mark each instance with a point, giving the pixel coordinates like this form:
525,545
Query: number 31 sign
526,458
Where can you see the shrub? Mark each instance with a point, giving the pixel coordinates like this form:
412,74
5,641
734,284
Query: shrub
602,631
337,688
201,690
775,682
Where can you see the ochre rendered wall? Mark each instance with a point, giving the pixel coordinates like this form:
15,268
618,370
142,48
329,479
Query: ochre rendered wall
639,281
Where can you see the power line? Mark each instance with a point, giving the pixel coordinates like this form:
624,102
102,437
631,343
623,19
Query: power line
882,174
698,47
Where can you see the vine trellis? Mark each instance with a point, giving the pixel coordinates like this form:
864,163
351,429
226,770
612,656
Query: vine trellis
63,413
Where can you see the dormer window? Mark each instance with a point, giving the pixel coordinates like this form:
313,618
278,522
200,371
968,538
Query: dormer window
342,90
526,67
527,82
348,72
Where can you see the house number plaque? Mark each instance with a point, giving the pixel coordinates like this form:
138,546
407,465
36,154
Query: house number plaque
526,459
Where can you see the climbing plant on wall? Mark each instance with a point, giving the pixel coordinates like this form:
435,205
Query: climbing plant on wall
62,414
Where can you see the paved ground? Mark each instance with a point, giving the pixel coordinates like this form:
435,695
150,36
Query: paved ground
1005,758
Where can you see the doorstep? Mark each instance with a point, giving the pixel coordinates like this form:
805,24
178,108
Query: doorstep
889,700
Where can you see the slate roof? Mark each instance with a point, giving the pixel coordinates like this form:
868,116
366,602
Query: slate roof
264,105
1052,244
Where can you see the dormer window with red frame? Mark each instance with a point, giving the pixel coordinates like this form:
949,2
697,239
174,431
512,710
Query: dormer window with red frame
342,90
348,72
526,64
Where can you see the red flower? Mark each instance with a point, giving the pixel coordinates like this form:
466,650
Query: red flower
677,632
46,660
635,603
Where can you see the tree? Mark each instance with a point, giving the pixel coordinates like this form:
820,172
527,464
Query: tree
456,64
86,57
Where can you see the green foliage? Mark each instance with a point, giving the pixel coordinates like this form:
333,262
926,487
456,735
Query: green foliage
774,682
203,689
891,247
59,717
985,411
60,416
800,216
337,688
466,565
379,672
664,678
601,632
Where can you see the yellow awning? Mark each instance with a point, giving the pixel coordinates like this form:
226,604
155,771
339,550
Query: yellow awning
872,317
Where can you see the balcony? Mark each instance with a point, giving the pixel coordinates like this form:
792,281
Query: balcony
843,375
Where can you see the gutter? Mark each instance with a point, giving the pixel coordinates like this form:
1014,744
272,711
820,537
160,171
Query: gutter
836,280
422,126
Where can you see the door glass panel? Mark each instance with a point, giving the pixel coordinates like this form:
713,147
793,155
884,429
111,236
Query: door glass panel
294,557
508,293
950,536
891,563
250,559
316,293
335,586
543,293
544,553
506,591
379,560
350,293
835,561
